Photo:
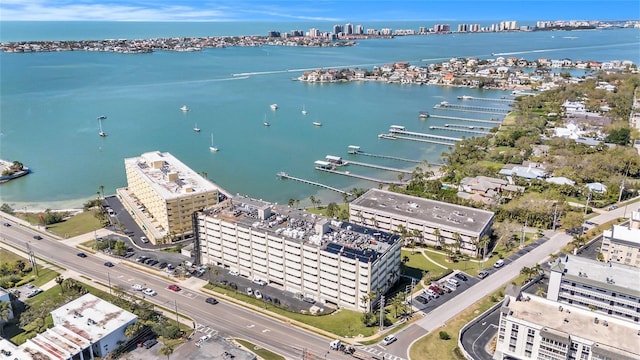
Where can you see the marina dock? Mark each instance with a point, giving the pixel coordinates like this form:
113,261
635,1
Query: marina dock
346,173
395,131
284,175
388,168
471,108
353,151
420,140
465,119
459,128
485,99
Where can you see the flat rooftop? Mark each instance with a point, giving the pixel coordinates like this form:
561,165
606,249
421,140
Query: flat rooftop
335,236
440,214
623,234
168,176
615,335
612,276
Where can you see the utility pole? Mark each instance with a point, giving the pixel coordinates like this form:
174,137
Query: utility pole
381,312
523,230
32,259
555,216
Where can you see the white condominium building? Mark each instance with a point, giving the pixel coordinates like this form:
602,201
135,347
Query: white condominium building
621,244
333,262
167,192
536,328
604,288
438,222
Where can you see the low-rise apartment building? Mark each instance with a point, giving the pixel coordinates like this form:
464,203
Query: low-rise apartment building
621,244
162,193
333,262
532,327
437,222
605,288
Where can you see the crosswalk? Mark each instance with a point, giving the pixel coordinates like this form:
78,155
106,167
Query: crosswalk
379,354
206,329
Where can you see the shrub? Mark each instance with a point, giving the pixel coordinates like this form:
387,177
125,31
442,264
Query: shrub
444,335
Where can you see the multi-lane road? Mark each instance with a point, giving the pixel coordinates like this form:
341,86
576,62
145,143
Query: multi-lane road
224,318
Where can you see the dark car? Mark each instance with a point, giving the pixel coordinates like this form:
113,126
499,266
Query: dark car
149,343
276,301
6,224
154,262
82,255
224,282
211,300
233,285
109,264
37,237
309,300
149,261
162,265
461,276
267,298
422,299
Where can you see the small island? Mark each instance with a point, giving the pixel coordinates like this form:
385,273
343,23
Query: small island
12,170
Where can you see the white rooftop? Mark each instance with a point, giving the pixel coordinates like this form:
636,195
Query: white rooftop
604,275
168,176
609,333
623,233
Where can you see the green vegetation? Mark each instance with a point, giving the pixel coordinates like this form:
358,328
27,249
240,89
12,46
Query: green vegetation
416,265
262,353
75,225
16,271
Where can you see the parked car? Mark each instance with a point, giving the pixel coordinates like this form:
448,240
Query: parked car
267,298
34,292
498,264
257,294
461,276
144,239
613,207
174,287
259,282
211,300
109,264
309,300
141,259
162,265
453,281
483,274
422,299
82,255
249,291
233,285
149,343
389,339
233,273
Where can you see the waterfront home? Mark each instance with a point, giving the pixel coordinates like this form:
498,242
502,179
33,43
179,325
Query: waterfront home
596,187
486,189
527,172
560,180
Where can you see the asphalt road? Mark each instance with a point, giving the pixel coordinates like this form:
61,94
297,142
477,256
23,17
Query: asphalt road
224,318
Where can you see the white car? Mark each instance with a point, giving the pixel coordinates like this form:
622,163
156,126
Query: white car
249,291
498,264
149,292
389,339
137,287
259,282
233,273
257,294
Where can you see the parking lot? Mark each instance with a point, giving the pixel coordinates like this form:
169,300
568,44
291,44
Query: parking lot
434,302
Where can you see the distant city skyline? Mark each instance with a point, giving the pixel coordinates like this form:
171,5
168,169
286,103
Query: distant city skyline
321,11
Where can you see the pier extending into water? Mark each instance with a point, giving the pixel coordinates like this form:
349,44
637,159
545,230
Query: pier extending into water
465,119
284,175
395,131
380,167
359,152
346,173
419,139
486,99
459,128
471,108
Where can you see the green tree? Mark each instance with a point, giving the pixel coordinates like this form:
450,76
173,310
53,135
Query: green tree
620,136
59,280
398,303
166,350
5,311
131,330
6,208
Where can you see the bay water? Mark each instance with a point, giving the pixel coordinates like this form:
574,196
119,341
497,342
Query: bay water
49,103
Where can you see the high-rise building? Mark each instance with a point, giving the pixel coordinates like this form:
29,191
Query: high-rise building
536,328
621,244
337,29
348,29
359,29
332,262
438,223
604,288
313,32
162,193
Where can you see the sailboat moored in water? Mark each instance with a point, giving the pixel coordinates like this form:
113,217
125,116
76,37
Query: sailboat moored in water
211,147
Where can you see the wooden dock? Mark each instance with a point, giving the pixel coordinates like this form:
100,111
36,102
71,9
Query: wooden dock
465,119
284,175
347,173
472,108
487,99
374,166
422,140
358,152
459,128
423,135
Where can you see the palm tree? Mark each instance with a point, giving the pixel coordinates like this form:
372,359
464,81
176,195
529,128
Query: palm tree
437,234
526,271
484,241
397,302
405,259
101,187
458,239
5,312
166,350
131,330
365,301
59,280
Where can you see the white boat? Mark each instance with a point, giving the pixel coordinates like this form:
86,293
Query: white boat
101,133
274,106
212,148
304,112
465,97
196,128
102,117
423,115
184,108
386,136
317,123
265,123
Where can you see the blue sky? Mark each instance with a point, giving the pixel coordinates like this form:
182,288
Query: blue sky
316,10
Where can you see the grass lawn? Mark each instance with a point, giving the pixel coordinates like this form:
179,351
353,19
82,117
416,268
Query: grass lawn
432,347
44,274
322,210
79,224
470,267
262,353
418,263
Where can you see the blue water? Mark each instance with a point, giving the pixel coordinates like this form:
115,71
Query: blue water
50,101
